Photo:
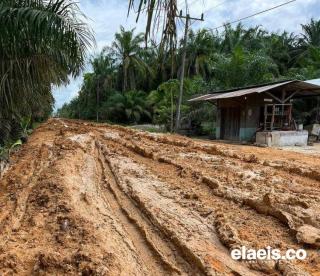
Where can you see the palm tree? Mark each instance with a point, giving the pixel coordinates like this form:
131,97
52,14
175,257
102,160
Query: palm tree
243,68
159,13
127,50
200,47
251,39
41,44
311,33
130,107
103,72
161,63
282,49
163,102
308,42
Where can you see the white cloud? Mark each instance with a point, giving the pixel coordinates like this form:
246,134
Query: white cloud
105,17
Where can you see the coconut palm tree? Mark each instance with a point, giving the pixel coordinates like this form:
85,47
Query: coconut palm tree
127,49
41,44
159,12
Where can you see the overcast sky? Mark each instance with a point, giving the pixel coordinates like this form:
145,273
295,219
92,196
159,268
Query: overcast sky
105,17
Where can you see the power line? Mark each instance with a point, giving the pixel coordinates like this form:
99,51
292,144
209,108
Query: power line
252,15
216,6
219,4
189,4
211,8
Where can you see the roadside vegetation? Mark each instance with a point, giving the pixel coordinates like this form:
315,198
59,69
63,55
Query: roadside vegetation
134,80
134,84
42,43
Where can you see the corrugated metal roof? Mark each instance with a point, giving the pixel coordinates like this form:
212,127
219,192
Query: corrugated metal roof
314,81
258,89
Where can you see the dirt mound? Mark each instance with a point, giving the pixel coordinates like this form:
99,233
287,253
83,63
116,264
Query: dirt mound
81,198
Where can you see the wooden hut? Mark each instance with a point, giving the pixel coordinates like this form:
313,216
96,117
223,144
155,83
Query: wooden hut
260,112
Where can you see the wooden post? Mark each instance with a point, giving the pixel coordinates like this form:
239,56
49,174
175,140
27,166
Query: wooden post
272,119
265,116
290,114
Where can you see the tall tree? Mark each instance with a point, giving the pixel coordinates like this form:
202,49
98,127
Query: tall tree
103,68
307,52
200,46
311,33
127,49
251,38
243,68
282,48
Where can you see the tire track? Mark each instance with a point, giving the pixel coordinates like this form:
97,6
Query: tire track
228,194
106,200
12,222
139,230
209,265
291,211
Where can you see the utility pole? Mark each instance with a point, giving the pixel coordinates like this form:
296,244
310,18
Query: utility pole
186,29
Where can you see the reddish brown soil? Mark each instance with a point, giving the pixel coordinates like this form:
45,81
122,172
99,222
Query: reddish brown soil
87,199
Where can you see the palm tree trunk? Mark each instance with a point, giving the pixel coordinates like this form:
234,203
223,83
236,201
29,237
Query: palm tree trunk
132,80
98,100
172,61
124,85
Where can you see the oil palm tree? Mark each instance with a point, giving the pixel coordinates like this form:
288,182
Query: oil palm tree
243,68
310,39
311,33
130,107
103,70
250,39
282,49
41,44
127,49
163,102
201,45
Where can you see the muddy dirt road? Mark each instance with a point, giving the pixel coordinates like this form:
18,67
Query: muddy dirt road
86,199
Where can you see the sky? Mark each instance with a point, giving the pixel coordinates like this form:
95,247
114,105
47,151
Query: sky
106,16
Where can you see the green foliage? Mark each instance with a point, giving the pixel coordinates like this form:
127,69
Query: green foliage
242,68
198,46
130,107
10,130
41,44
128,50
163,102
234,58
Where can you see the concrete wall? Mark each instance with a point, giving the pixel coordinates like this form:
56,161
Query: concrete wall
282,138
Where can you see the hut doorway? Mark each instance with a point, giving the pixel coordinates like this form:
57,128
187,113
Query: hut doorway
230,123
